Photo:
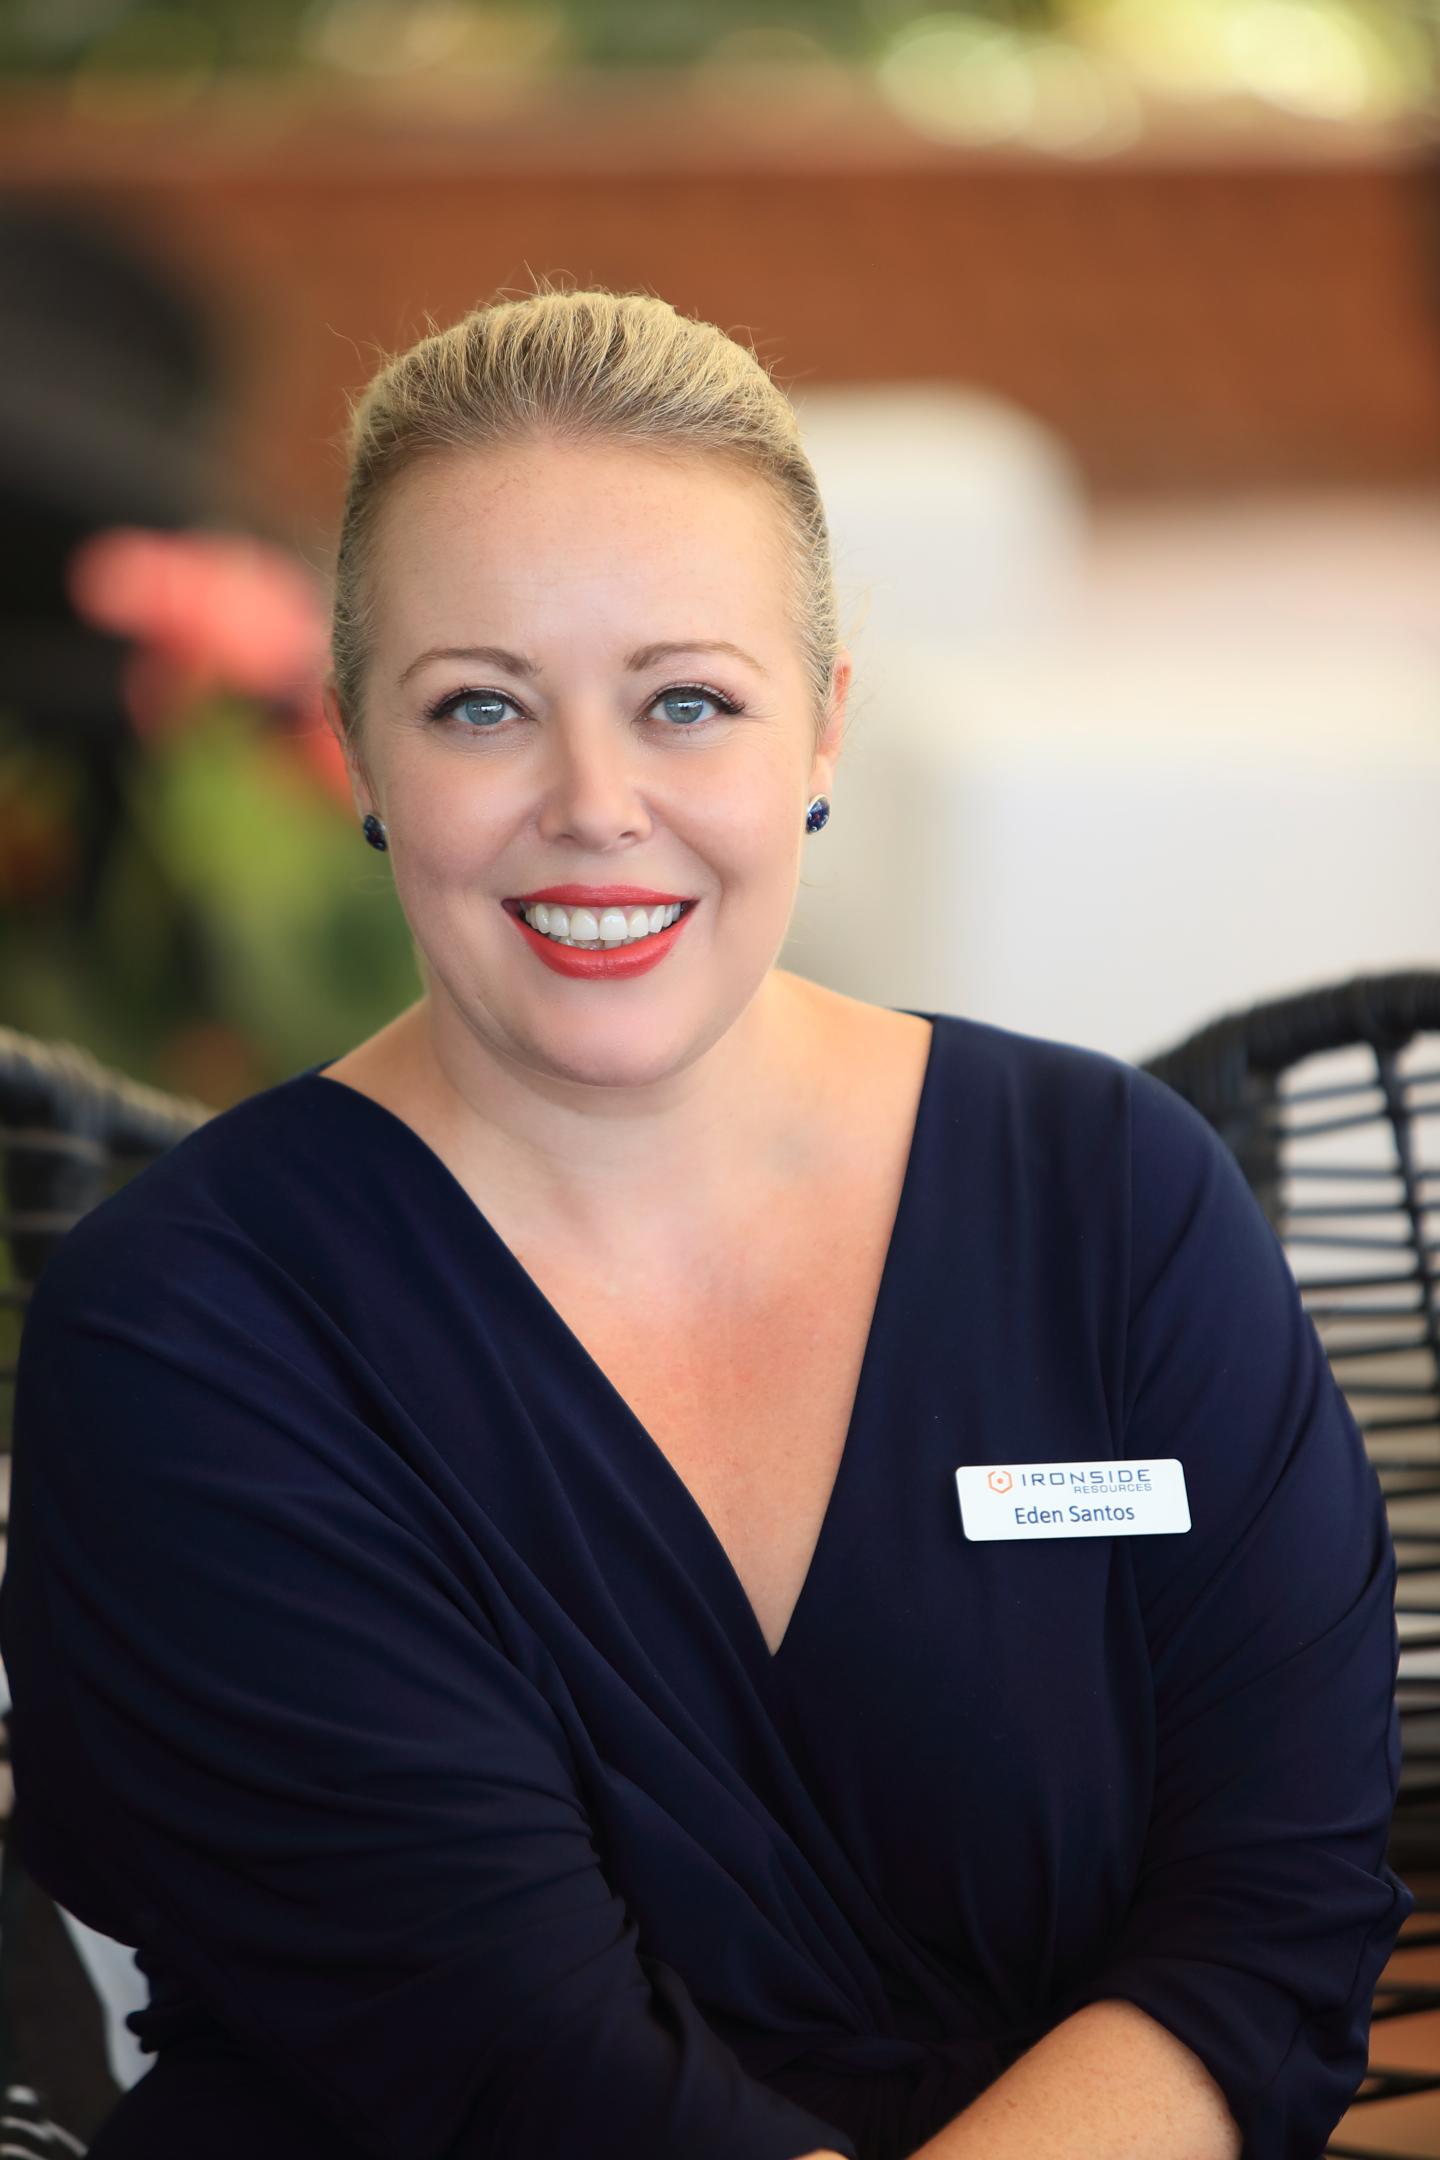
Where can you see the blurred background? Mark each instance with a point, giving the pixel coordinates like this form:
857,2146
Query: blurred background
1114,328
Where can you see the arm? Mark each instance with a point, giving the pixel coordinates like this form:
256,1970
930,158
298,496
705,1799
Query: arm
264,1724
1109,2082
1264,1909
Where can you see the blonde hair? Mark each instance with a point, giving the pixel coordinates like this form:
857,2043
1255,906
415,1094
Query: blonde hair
587,366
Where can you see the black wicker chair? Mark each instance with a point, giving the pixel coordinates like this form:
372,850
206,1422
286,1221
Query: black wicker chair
70,1132
1328,1100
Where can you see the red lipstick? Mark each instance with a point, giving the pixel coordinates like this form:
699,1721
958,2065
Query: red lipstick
601,895
616,963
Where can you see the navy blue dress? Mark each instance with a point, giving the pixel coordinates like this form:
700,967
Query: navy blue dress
378,1676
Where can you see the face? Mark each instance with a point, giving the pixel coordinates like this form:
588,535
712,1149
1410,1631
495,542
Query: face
575,753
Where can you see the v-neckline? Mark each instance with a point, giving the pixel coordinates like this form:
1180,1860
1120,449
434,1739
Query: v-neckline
769,1660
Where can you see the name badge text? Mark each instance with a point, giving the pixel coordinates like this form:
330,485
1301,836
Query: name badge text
1073,1499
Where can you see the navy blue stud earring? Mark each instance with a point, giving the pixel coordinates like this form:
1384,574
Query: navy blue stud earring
817,814
374,831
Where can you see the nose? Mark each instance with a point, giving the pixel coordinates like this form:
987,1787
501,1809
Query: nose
591,792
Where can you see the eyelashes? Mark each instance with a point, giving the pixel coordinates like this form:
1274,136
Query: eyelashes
445,709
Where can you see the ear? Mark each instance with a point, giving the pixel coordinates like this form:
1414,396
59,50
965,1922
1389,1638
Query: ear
360,786
827,750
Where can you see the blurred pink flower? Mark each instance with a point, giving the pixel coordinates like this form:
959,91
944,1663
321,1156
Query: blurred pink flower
208,611
222,605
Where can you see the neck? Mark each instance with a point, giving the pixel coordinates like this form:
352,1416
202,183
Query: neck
598,1161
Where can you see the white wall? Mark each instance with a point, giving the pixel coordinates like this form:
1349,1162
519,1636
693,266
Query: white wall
1110,776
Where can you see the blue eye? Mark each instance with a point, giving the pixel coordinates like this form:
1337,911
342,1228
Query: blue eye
482,698
696,694
450,708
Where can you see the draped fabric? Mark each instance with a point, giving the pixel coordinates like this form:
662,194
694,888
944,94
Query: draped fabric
377,1676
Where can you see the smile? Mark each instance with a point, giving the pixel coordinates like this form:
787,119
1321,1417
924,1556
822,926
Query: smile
585,929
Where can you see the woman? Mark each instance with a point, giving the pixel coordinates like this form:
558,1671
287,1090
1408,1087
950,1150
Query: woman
493,1614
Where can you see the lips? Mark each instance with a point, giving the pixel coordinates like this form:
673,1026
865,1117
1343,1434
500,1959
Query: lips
602,963
600,896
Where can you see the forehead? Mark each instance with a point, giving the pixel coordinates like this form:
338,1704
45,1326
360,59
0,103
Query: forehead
558,536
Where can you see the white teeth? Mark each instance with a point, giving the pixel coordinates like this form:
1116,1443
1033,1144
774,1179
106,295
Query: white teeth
581,926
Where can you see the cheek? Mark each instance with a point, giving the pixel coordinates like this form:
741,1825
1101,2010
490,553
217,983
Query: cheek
748,820
446,817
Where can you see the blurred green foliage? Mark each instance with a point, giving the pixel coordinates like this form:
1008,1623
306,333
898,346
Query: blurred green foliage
1076,66
232,927
59,37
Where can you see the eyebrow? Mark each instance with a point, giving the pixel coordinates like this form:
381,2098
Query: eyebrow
645,656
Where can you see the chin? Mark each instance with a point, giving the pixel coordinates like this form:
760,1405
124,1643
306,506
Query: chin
613,1051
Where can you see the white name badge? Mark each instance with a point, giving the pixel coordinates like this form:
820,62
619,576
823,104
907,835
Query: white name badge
1072,1499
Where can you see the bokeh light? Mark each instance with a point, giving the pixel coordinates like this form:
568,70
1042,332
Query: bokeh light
1075,77
1322,59
1314,57
956,77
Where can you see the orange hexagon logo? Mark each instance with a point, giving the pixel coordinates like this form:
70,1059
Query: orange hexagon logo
999,1481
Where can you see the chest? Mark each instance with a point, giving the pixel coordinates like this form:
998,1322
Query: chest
748,1386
